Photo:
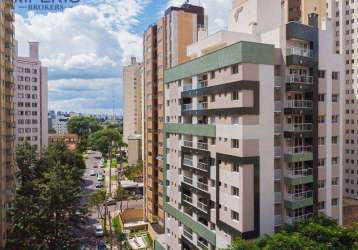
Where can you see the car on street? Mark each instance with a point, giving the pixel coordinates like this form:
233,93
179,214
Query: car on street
101,245
100,177
92,173
99,230
111,202
99,184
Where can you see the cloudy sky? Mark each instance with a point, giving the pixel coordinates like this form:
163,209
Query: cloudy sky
86,45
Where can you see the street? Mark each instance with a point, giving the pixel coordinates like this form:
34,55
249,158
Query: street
88,240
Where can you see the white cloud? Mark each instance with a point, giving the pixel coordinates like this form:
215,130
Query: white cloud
217,11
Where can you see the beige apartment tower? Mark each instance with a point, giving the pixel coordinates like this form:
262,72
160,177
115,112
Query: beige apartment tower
253,127
7,127
132,97
164,47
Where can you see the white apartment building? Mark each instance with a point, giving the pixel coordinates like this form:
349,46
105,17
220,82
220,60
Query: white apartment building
253,127
31,98
132,99
60,124
345,18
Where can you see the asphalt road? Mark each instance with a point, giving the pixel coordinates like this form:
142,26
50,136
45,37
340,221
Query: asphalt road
88,239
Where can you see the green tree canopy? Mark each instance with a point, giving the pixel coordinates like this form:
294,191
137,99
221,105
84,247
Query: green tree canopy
46,212
83,126
317,233
102,139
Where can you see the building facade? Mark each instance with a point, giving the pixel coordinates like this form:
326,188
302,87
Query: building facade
31,98
344,15
164,47
7,127
253,128
132,97
59,124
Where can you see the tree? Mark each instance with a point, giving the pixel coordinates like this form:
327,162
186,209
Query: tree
319,233
134,172
26,159
102,140
46,212
121,195
97,199
83,126
52,131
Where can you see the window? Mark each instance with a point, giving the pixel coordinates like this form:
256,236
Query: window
334,98
234,143
212,98
334,160
321,205
321,119
321,140
235,191
212,74
335,75
321,74
235,167
335,181
321,162
235,95
334,139
334,118
235,69
321,183
335,202
235,120
321,97
234,215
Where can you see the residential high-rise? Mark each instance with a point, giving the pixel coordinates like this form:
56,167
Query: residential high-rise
7,124
132,98
164,47
253,128
31,94
344,16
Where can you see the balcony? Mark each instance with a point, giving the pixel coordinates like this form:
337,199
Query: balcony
202,145
278,220
187,107
299,200
299,176
278,197
297,78
278,129
278,174
187,199
278,151
187,87
299,150
202,245
299,82
202,186
295,219
296,51
202,84
278,106
202,206
299,104
299,153
202,106
199,185
188,162
299,127
200,165
188,180
188,144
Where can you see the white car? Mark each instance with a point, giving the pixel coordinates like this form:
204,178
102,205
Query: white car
100,177
99,184
99,231
92,173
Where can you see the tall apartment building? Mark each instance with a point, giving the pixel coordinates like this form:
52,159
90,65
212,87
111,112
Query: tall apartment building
253,127
31,94
7,125
164,47
132,98
59,124
344,15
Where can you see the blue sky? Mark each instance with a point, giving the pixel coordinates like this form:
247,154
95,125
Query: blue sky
86,45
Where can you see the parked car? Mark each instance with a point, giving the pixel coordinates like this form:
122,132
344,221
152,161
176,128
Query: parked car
99,184
99,231
101,245
92,173
100,177
111,202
